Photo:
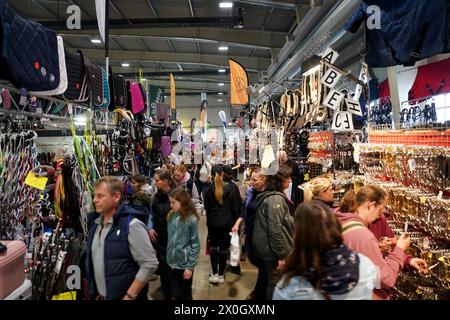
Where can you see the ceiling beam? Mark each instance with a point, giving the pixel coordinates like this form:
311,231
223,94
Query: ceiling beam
287,5
245,38
168,57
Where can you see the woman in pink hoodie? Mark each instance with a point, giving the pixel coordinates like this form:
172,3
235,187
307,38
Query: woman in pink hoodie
365,206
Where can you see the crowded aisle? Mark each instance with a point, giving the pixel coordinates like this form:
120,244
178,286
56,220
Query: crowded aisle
225,150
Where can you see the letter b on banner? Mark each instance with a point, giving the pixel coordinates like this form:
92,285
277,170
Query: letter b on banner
331,78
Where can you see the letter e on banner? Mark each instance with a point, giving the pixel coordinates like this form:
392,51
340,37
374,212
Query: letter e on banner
330,56
333,100
353,107
331,78
342,121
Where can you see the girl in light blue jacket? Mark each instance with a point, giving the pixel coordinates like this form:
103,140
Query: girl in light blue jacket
183,244
320,266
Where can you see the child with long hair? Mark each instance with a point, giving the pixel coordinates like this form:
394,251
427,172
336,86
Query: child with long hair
183,244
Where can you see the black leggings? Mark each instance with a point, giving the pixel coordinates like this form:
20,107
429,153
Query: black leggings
181,289
219,242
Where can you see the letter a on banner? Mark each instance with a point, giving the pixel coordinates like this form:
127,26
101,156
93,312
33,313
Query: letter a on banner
333,100
331,78
342,121
330,56
353,107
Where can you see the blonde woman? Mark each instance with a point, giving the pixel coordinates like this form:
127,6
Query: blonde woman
320,189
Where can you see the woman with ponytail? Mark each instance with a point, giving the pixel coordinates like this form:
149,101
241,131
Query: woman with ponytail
223,205
320,189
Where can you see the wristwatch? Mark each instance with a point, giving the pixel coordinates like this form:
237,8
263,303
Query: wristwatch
131,296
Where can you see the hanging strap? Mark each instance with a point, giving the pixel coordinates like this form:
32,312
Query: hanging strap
346,227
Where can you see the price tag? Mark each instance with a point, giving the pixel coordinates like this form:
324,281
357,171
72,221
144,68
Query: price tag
36,181
440,195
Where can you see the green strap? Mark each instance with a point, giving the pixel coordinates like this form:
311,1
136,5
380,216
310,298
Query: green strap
346,227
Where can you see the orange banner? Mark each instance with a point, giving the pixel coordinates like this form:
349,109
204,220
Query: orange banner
238,84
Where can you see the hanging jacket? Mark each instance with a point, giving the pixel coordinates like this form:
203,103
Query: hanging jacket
273,229
362,240
410,31
120,267
183,246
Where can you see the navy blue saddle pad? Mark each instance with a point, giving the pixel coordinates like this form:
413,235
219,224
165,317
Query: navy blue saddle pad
29,52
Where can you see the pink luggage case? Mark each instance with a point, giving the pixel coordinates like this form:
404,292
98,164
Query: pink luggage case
12,267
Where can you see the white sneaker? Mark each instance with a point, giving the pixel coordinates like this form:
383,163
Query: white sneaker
221,279
214,278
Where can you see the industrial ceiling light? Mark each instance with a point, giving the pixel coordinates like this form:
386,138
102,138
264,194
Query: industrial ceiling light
125,64
219,100
226,4
223,47
96,41
220,93
221,70
220,84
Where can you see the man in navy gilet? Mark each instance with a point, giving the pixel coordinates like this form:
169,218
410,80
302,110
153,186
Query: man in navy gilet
120,257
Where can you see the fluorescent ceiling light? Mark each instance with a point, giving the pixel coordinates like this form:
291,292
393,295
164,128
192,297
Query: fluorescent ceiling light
220,93
221,84
262,89
125,64
221,70
220,100
223,48
226,4
96,41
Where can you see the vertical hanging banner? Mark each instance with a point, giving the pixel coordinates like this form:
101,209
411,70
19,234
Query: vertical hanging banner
101,17
203,116
156,95
364,77
173,109
238,84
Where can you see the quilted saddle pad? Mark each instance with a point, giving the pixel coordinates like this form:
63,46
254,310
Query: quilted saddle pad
95,78
62,87
29,51
76,74
119,91
106,93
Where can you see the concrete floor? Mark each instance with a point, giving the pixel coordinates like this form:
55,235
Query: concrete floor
236,287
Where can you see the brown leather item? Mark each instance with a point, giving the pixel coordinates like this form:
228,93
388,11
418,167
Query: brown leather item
12,270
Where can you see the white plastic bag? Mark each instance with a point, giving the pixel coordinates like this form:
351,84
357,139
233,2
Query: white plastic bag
235,249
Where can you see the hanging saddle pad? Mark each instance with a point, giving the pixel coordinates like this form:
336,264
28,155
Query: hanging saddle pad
106,93
119,92
144,95
95,79
77,88
6,99
62,87
29,52
137,101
